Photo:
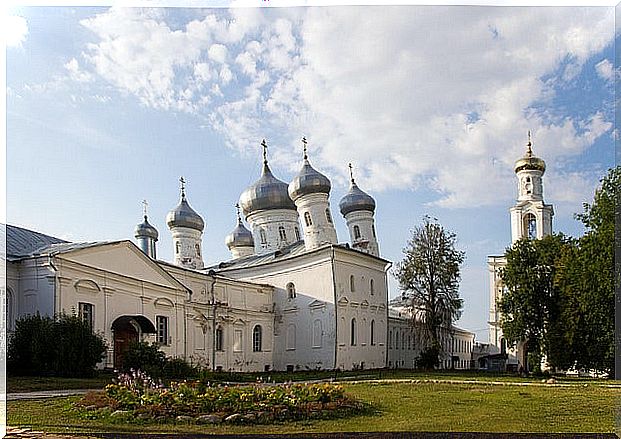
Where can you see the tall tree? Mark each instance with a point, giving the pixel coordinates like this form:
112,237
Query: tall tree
531,304
429,276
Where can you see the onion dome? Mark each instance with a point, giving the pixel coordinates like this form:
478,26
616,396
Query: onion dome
183,215
308,180
529,161
356,199
240,236
146,230
267,193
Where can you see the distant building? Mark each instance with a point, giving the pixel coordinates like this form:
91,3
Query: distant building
531,218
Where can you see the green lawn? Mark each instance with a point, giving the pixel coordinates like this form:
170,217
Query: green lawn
31,384
397,407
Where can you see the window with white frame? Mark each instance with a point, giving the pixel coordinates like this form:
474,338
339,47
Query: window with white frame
257,339
282,233
162,329
353,337
307,219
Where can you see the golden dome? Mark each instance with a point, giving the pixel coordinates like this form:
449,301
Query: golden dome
529,161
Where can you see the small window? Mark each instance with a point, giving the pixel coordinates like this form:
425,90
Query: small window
409,342
353,332
257,339
372,286
403,341
373,230
177,247
390,339
198,250
291,337
263,237
307,219
397,340
282,233
219,339
162,329
356,232
297,234
85,312
317,333
290,290
352,285
328,216
238,341
372,332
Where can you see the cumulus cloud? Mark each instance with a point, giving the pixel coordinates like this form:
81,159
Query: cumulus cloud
440,97
15,30
73,67
605,69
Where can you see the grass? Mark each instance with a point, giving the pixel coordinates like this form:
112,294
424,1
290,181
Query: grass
32,384
396,407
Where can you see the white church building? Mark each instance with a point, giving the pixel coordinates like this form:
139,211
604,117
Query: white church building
290,298
531,218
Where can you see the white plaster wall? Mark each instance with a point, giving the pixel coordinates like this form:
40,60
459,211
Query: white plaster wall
188,239
270,221
321,231
405,354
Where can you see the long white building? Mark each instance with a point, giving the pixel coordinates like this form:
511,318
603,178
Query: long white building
290,298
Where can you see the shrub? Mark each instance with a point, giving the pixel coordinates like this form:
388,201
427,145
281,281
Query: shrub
428,359
62,346
145,357
178,368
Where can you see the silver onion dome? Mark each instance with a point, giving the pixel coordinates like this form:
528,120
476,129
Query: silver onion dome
146,230
240,236
308,180
356,199
183,215
267,193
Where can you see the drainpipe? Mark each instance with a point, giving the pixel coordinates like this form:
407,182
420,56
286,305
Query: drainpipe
213,321
388,267
336,317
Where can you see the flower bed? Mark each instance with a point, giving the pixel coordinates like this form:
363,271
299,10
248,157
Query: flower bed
137,396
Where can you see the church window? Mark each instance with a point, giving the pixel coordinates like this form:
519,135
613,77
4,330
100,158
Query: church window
409,342
372,332
352,285
263,237
162,329
291,337
317,333
219,339
390,339
307,219
352,339
85,312
530,226
198,250
177,247
238,340
328,216
403,341
397,340
372,286
291,290
373,230
356,232
257,339
282,233
297,234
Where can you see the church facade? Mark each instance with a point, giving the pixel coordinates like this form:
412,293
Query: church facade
290,298
531,218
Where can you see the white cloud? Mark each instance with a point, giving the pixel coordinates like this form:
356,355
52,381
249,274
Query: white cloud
15,30
75,72
605,69
439,96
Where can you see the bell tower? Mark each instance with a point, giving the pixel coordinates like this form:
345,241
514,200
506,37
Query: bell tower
530,216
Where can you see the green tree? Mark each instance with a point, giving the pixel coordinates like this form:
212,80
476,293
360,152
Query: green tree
531,304
429,276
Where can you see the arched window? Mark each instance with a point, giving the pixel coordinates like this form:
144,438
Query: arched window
257,339
317,333
290,290
263,237
390,339
356,232
373,230
328,216
503,346
352,286
177,247
353,332
297,234
219,339
409,342
372,332
198,250
403,341
530,226
372,286
307,219
282,233
397,340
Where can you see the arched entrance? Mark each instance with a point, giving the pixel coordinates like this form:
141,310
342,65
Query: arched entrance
128,329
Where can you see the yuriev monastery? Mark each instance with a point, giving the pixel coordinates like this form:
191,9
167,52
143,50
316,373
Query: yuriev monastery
290,298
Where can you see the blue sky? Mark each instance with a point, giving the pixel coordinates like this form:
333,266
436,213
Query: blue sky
109,106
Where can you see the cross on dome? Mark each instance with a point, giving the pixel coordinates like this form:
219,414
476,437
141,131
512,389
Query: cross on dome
182,181
144,207
304,143
264,145
529,152
351,172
